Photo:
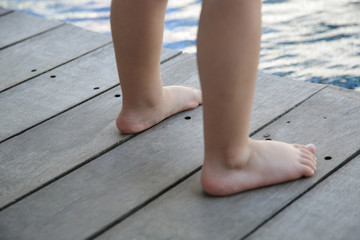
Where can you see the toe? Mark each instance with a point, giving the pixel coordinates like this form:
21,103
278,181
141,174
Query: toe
307,155
308,163
198,96
308,171
311,148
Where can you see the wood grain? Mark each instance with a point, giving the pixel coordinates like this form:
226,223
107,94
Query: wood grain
49,94
329,211
36,55
16,27
46,151
116,183
4,11
186,213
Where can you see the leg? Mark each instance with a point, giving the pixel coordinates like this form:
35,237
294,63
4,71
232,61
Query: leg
228,54
137,30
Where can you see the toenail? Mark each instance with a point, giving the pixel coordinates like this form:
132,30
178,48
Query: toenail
310,146
328,158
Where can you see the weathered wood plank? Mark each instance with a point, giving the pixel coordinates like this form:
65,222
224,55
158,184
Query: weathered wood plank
42,153
45,51
100,192
186,213
4,11
55,91
17,26
330,211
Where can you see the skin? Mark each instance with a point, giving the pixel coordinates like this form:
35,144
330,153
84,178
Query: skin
228,55
137,31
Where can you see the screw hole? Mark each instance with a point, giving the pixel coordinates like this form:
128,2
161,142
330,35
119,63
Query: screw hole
328,158
96,88
117,95
53,76
268,139
34,70
187,118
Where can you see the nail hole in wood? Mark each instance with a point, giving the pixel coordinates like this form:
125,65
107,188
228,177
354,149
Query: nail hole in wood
268,139
266,135
34,70
53,76
328,158
117,95
96,88
187,118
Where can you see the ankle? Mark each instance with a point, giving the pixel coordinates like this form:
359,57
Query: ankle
139,106
133,104
231,158
217,173
238,158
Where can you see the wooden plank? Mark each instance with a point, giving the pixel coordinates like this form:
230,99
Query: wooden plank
100,192
330,211
4,11
70,141
44,52
16,27
45,96
186,213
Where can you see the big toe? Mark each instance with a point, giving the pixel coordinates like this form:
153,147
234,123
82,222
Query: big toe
198,95
311,148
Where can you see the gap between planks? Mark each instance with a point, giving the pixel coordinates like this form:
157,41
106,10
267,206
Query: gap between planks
73,79
13,152
178,214
262,115
17,27
307,214
44,52
4,11
320,181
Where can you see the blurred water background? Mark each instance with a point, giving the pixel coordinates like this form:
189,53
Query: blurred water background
307,40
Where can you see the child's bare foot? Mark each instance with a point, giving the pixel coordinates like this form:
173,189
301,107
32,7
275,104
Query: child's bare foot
260,164
174,99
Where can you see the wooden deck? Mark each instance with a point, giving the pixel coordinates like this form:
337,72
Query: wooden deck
67,173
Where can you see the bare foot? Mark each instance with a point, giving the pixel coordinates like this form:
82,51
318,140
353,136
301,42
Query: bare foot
262,163
175,99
